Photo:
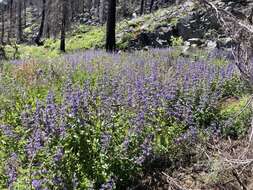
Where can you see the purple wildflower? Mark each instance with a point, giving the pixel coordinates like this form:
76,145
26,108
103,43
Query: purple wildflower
35,143
11,169
109,185
37,184
7,131
59,154
105,140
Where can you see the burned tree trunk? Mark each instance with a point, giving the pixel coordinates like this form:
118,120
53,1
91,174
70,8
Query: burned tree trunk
111,25
19,30
10,20
25,13
63,25
142,7
3,25
151,5
101,11
38,37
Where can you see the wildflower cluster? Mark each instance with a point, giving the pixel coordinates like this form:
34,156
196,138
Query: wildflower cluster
107,116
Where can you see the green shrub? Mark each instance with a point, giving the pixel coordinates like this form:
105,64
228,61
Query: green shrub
91,39
236,117
176,41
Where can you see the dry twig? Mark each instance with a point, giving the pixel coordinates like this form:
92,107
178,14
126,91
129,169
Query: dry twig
173,182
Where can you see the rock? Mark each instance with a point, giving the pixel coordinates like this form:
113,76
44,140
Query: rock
164,29
83,20
196,41
146,48
225,42
186,43
161,42
196,24
188,3
211,44
134,16
185,52
145,27
144,39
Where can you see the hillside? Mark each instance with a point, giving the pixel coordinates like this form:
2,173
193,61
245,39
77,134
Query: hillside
185,24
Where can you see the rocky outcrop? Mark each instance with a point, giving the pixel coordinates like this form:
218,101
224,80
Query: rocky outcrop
187,20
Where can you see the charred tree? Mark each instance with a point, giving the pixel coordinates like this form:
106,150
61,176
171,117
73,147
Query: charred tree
19,30
142,7
10,20
63,25
101,11
151,5
41,29
111,25
3,24
25,13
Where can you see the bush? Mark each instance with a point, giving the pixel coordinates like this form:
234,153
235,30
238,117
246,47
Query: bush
236,125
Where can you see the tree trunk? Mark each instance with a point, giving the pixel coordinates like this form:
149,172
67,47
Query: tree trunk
3,26
142,7
25,13
151,5
38,38
89,5
93,7
48,31
63,25
48,23
19,32
111,25
101,11
124,8
10,20
250,18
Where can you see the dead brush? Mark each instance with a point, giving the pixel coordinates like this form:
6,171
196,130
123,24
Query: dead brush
235,158
230,164
26,72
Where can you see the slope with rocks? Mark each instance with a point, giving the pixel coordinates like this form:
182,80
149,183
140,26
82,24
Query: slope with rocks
184,23
189,20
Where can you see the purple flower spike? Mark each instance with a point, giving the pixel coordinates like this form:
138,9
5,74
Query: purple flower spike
37,184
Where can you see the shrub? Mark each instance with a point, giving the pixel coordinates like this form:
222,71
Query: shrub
236,117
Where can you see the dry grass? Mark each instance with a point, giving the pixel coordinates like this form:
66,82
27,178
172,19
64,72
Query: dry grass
217,165
26,72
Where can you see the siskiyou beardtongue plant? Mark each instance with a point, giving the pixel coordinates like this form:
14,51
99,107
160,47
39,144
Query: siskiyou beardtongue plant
100,130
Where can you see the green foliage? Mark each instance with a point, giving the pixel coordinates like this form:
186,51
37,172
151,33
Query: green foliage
83,37
166,137
176,41
174,21
123,42
235,87
31,51
236,117
28,30
220,61
51,43
94,38
99,165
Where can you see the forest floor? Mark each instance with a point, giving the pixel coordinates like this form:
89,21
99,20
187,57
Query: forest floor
220,165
